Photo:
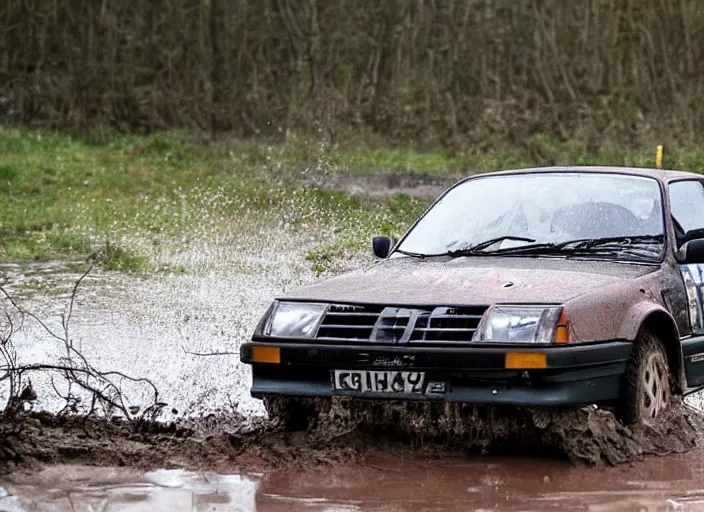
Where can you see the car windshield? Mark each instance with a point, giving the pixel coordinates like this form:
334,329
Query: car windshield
504,213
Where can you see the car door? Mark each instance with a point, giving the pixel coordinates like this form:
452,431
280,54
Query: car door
687,209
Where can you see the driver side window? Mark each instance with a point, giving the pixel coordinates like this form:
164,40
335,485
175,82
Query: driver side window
687,205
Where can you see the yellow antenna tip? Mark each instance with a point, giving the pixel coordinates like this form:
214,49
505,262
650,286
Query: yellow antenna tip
658,157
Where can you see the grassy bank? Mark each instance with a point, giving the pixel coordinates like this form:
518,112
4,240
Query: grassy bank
68,196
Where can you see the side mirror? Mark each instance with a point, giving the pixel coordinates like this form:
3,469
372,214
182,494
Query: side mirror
692,252
382,245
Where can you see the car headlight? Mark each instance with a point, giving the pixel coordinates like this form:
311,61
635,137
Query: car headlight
294,319
523,324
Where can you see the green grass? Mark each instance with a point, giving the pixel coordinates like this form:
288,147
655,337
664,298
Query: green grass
114,257
68,196
539,150
324,258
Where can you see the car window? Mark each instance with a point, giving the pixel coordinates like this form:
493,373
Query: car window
545,207
687,204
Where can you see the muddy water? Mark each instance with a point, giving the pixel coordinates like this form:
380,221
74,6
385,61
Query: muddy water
378,483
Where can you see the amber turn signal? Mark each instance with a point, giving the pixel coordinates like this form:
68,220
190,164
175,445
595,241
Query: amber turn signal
526,360
266,355
562,330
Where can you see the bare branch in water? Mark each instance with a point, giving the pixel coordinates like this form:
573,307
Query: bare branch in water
208,354
103,387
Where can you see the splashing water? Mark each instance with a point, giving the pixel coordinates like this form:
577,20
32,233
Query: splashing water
145,326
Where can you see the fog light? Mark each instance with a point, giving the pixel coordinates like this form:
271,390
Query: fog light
266,355
525,360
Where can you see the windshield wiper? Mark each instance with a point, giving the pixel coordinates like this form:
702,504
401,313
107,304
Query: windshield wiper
476,248
412,254
619,245
588,243
613,246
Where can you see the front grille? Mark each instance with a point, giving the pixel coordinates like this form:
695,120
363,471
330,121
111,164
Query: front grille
449,325
343,322
388,325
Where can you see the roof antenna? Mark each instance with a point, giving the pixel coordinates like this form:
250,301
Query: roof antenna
658,157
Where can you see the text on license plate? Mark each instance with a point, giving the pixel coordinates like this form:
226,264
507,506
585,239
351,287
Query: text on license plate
378,381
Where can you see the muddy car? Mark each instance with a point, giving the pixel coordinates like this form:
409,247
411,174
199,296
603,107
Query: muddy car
545,287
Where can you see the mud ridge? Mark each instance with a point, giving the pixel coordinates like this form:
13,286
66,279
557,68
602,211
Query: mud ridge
382,183
343,432
588,435
594,436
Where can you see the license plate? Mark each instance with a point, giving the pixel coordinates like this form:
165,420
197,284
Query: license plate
378,381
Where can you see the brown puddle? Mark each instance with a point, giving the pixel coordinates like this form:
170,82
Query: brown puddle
379,482
669,483
346,460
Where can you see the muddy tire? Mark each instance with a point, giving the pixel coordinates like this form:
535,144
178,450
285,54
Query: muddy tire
290,413
646,390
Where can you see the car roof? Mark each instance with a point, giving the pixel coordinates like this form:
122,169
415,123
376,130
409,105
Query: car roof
659,174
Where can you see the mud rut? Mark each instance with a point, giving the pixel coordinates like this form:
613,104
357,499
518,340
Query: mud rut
343,432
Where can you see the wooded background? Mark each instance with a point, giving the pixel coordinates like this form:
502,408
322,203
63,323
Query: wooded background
474,72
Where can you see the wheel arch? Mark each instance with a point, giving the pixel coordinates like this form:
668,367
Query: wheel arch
661,324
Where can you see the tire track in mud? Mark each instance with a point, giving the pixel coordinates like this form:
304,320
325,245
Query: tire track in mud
343,433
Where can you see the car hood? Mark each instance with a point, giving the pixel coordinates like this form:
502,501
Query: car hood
475,280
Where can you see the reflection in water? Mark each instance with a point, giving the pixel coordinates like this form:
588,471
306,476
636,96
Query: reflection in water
107,489
671,483
379,483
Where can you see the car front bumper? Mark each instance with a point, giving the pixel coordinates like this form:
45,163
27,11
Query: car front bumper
573,374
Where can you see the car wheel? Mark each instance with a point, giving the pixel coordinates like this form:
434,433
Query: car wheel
646,388
289,413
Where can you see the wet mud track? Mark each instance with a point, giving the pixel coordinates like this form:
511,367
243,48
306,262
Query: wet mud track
488,483
580,459
380,482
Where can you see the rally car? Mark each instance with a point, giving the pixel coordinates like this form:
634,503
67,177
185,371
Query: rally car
546,287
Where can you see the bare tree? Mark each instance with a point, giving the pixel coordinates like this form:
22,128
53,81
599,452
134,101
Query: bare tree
475,71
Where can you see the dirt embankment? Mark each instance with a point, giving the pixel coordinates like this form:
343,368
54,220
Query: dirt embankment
342,433
388,183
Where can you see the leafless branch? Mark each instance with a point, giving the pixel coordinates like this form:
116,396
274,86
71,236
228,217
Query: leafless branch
66,319
103,387
31,315
208,354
